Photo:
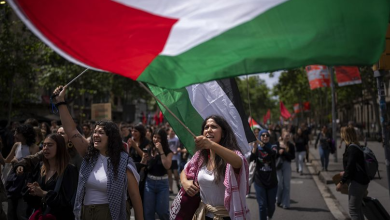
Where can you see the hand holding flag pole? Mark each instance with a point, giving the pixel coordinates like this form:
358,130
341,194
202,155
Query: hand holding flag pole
158,100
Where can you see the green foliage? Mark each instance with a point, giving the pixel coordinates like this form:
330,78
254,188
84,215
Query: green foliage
260,99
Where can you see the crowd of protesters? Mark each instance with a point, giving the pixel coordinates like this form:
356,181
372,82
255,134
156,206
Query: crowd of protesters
106,170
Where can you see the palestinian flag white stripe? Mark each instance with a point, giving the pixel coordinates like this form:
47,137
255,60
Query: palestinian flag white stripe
210,99
201,20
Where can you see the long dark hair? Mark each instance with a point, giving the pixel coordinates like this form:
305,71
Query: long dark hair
228,140
142,131
62,156
164,139
114,145
28,133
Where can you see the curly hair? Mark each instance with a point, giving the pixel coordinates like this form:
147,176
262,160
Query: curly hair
28,132
114,145
228,140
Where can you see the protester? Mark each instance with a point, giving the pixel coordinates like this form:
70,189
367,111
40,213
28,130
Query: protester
24,146
256,132
149,133
45,129
221,171
54,126
324,139
32,121
286,153
301,144
125,132
356,179
39,138
266,183
87,130
107,173
138,143
55,167
158,160
8,140
174,146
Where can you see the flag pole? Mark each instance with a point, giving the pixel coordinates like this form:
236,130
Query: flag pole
159,101
334,126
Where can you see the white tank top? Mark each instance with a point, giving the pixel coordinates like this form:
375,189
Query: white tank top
22,151
210,192
96,185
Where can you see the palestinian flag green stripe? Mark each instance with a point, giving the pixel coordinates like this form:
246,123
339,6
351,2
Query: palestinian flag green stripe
293,34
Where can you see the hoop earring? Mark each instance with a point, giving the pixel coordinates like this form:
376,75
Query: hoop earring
69,144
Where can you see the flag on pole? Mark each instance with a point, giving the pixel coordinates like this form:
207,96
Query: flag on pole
318,76
306,106
196,102
283,111
253,124
175,43
347,75
267,116
297,108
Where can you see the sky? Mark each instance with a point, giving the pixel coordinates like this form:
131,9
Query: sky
270,81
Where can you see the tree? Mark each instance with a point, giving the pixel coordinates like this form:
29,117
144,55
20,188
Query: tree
255,93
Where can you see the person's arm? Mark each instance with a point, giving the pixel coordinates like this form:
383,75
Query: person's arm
133,144
11,154
350,169
28,163
135,197
228,155
80,142
189,186
2,161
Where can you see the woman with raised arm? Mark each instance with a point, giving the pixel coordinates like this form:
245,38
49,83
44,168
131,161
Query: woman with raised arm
107,173
221,170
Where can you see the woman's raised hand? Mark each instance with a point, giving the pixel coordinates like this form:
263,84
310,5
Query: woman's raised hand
59,93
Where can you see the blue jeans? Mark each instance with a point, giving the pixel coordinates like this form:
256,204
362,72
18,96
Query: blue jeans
156,199
266,199
284,178
324,155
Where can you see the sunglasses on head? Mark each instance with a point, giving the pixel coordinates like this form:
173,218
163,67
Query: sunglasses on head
265,135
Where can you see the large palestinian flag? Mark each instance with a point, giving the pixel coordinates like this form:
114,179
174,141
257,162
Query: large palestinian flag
175,43
196,102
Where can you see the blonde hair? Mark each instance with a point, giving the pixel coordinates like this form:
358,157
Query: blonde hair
348,134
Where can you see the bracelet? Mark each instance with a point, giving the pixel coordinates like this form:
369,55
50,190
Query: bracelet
161,153
60,103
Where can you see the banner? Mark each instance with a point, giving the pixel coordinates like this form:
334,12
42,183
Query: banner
318,76
347,75
101,111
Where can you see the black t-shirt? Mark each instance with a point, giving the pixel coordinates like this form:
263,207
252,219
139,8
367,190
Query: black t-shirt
265,175
134,154
155,166
300,142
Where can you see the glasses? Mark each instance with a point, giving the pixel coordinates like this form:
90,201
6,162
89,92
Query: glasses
265,135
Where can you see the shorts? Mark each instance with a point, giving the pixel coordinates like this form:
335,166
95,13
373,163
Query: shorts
174,165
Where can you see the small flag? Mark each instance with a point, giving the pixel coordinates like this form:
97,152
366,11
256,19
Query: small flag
306,106
267,116
347,75
297,108
318,76
253,124
283,111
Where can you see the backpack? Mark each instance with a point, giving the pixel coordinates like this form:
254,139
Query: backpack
370,161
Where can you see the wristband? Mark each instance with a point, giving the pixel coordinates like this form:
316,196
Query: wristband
60,103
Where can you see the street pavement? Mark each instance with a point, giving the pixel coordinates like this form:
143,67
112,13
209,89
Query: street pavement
378,188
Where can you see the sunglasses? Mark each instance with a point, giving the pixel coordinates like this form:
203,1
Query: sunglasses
265,135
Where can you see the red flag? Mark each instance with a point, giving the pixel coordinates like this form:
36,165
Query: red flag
143,118
347,75
283,111
306,106
318,76
297,108
160,117
267,116
156,120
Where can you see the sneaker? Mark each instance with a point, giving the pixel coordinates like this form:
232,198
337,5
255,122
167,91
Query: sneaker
269,218
279,204
285,207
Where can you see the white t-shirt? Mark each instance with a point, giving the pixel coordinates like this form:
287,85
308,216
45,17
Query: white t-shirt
174,143
96,185
210,192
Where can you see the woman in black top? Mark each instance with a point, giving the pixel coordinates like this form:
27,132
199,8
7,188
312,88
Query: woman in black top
156,192
356,179
301,143
138,142
41,193
265,175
